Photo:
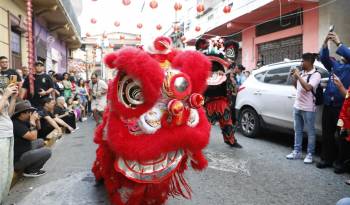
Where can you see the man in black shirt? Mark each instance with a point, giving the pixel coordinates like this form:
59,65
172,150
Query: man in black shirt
6,73
50,124
43,86
30,155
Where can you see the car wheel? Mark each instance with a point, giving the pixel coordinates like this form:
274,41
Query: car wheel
249,123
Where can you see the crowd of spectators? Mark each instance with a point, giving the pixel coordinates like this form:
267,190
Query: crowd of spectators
32,117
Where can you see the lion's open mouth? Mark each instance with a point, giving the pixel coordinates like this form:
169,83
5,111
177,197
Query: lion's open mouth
150,171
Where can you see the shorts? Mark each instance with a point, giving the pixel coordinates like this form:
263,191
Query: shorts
99,104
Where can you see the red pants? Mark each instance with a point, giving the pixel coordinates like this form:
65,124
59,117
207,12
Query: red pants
218,110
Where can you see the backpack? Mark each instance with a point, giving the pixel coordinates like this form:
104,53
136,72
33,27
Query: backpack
319,90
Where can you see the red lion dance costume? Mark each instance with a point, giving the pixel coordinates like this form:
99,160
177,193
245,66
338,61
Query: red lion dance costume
344,118
153,125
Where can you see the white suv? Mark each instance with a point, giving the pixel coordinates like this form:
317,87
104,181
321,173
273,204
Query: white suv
266,99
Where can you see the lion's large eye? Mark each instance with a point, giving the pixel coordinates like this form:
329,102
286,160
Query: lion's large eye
177,85
181,84
129,91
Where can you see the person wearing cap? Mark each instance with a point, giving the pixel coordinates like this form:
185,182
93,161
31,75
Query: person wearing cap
7,106
43,86
333,100
30,155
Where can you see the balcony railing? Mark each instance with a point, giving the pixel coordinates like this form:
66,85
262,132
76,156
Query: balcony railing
71,14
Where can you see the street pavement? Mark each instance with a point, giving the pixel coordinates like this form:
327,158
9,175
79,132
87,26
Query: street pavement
258,174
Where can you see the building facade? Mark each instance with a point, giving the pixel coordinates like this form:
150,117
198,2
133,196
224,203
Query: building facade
94,48
56,32
12,33
269,31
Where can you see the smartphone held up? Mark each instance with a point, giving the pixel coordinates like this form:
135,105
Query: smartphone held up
13,79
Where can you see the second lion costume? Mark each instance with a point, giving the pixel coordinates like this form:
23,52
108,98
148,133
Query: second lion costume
217,95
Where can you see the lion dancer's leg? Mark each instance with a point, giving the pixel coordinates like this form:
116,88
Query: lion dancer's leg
101,150
218,110
103,166
227,127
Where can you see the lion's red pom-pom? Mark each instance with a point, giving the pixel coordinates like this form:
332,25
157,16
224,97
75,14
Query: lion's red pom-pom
162,43
199,162
196,66
110,60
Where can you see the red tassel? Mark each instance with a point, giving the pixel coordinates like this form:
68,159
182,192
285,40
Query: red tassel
178,184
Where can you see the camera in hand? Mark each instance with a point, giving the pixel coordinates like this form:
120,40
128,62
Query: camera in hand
294,69
331,28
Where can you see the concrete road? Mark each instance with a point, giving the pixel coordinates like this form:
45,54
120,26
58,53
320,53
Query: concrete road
258,174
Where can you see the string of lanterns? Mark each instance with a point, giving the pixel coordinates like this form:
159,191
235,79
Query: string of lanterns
153,4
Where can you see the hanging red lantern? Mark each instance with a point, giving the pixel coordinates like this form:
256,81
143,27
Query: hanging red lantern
93,20
139,25
153,4
200,7
159,27
227,9
87,34
176,28
183,38
177,6
126,2
198,28
116,23
121,37
229,25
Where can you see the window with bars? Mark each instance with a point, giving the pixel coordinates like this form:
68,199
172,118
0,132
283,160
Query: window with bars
15,42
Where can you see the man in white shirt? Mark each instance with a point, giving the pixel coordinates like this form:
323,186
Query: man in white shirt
306,83
98,90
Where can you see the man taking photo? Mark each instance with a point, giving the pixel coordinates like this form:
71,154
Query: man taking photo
30,155
304,114
333,100
98,90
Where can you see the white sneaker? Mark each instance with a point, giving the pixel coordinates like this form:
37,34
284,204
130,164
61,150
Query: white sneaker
294,155
308,159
